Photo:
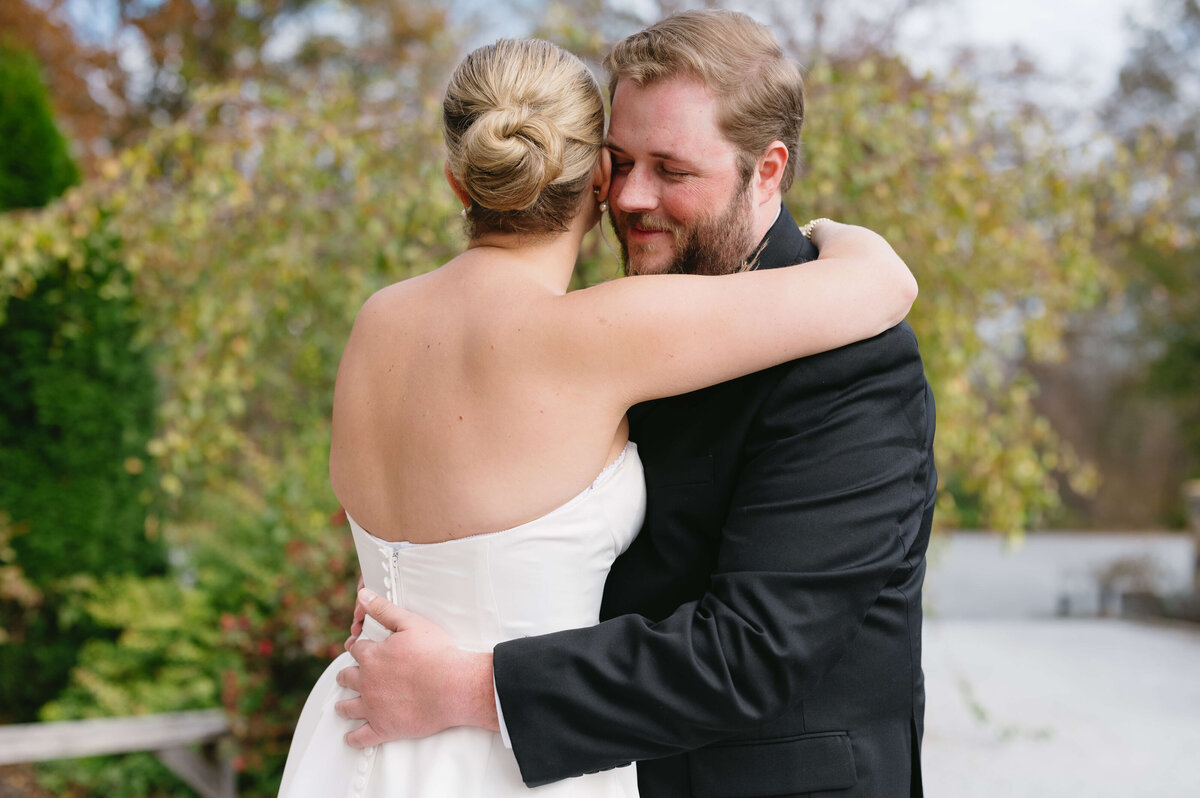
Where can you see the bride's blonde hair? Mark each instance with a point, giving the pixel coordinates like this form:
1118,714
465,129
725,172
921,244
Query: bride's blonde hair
523,123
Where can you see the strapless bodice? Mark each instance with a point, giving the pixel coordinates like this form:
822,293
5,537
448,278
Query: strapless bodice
542,576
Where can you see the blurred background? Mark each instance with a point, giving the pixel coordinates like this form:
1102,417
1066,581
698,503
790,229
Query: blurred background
197,196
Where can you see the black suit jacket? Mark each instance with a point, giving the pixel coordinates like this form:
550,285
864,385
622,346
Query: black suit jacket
763,632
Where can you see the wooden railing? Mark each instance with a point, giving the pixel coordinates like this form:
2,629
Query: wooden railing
170,737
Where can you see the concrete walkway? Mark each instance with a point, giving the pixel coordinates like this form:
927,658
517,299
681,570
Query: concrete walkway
1077,708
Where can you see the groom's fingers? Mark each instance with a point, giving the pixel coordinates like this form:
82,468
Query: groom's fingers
363,737
351,709
384,611
350,677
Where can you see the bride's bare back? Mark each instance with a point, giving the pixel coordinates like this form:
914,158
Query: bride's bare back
482,395
444,426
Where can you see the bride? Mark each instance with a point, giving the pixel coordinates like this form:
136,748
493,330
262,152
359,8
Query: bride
475,405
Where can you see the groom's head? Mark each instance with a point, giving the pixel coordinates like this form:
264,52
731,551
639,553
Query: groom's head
706,118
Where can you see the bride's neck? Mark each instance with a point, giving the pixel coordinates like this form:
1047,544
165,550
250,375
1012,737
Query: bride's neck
550,258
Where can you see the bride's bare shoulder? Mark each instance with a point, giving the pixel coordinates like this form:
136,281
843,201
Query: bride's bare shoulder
387,305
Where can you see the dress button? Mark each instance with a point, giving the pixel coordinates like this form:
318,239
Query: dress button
369,751
360,783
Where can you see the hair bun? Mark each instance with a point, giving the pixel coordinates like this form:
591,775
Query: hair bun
523,122
511,154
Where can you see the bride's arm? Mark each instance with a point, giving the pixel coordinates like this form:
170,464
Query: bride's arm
659,335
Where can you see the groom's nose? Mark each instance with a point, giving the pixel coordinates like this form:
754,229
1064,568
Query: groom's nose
634,192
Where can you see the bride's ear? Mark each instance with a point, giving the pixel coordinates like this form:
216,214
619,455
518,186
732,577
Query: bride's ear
602,174
456,186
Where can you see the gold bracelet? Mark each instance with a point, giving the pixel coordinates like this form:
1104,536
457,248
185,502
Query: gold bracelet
807,230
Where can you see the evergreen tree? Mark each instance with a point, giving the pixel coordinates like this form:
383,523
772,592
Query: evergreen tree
35,166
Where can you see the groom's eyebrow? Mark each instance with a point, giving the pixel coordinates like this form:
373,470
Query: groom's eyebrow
615,147
662,156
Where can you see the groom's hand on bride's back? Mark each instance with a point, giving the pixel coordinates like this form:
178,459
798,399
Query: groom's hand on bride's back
416,682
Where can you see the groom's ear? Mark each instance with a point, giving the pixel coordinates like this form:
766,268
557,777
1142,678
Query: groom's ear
602,174
769,171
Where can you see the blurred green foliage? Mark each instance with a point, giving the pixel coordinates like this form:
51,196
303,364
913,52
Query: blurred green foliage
249,232
35,166
998,224
1153,107
74,423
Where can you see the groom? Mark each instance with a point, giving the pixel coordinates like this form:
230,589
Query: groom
762,634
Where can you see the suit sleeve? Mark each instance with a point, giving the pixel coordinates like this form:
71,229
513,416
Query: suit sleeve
836,475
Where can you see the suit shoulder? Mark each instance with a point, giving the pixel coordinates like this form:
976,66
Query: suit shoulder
899,341
894,350
881,378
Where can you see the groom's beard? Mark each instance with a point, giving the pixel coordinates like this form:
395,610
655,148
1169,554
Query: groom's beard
711,245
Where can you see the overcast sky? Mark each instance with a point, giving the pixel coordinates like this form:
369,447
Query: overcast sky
1081,41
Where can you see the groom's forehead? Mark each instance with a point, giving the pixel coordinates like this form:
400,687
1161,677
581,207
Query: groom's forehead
655,103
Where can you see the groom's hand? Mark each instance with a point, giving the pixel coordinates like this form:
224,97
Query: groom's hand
416,682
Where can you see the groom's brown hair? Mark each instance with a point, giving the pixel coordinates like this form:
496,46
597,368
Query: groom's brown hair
759,92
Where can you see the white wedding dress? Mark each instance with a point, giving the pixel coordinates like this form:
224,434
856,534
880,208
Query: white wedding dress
539,577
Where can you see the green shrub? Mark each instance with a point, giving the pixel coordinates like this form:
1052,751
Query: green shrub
35,166
75,418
